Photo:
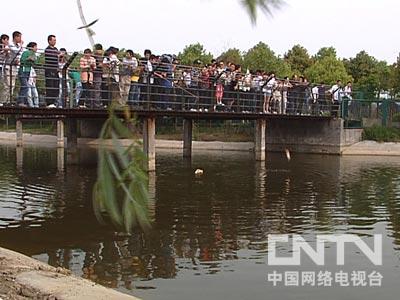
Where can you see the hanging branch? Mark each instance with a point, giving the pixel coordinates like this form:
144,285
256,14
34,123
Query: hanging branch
121,190
89,31
266,6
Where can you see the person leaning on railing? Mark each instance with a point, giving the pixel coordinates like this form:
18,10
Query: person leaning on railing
128,66
87,65
28,59
4,70
98,84
111,75
12,63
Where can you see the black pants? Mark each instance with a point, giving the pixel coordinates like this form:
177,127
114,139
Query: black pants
52,87
87,94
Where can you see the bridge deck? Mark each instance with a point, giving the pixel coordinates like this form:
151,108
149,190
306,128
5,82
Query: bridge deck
75,113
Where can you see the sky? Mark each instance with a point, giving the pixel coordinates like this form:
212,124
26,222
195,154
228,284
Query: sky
166,26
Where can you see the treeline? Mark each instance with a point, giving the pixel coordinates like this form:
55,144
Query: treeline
370,76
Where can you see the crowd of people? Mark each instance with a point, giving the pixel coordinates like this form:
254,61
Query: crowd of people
161,81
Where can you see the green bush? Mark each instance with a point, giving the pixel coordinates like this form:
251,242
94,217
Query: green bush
381,134
396,117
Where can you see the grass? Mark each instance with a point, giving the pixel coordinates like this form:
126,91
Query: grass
381,134
202,131
396,117
31,128
208,132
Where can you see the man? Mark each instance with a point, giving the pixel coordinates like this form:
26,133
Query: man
347,91
28,59
51,71
129,65
98,74
147,67
111,75
13,61
336,92
87,66
4,70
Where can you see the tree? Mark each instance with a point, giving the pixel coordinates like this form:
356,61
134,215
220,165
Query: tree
298,59
325,52
327,70
385,73
232,55
370,75
261,57
395,77
194,52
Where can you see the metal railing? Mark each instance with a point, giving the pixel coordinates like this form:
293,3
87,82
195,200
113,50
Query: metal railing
166,86
364,113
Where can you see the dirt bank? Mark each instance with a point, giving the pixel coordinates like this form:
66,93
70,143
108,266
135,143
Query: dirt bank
22,277
361,148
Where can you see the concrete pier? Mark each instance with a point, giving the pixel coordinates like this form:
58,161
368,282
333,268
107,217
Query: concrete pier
19,133
259,145
187,137
60,134
72,142
149,142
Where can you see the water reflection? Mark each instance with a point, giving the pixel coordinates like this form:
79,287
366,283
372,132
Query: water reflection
203,226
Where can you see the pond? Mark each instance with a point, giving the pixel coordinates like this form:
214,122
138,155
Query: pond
209,238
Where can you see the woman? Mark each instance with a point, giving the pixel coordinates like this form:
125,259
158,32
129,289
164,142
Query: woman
268,87
28,59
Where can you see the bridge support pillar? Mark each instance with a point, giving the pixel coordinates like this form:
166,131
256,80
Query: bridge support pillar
60,134
259,145
149,142
72,141
19,133
187,137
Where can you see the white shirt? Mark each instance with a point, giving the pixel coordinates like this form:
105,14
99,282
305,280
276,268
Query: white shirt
315,92
32,77
270,85
335,90
347,90
113,63
15,54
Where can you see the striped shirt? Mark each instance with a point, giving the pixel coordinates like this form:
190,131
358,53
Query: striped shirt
87,66
15,54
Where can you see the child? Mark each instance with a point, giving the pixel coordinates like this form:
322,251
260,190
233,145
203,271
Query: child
219,89
32,94
77,83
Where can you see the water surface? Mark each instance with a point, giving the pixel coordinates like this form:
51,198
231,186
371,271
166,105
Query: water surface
209,234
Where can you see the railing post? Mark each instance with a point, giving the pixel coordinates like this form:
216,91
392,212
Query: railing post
385,112
11,83
148,92
64,86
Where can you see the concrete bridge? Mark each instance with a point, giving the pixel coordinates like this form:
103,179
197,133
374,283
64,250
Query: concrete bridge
273,132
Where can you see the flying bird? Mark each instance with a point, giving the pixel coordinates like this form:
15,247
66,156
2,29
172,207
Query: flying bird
88,25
